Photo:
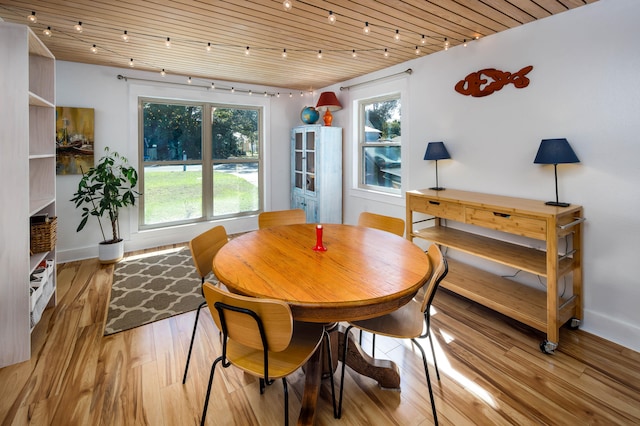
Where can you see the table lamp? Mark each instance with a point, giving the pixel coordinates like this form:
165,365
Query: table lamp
328,101
555,151
436,151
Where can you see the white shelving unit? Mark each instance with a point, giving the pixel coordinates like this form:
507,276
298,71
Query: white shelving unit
28,168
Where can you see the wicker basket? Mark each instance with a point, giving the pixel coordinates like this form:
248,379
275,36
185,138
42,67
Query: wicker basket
43,236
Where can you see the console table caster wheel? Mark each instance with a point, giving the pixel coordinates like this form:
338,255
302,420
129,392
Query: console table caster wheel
574,324
548,347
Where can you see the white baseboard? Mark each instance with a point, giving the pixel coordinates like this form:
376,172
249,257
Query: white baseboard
619,332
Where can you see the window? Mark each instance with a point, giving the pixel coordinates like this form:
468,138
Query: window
380,144
199,162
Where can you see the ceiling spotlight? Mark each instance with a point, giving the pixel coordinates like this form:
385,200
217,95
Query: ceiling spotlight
208,48
301,94
446,44
47,32
32,18
168,43
125,36
332,18
250,92
417,50
396,37
78,27
94,49
354,54
189,80
284,53
233,90
131,63
265,94
386,53
366,28
213,86
287,4
423,40
464,43
163,73
319,54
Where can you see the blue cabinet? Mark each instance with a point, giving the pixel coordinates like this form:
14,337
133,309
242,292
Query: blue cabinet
316,172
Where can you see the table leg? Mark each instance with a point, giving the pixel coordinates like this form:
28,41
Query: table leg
313,380
385,372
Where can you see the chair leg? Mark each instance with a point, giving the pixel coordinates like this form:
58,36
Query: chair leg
193,336
330,360
344,364
286,401
433,352
426,371
373,345
206,399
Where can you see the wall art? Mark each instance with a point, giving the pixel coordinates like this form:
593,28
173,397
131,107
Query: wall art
74,140
486,81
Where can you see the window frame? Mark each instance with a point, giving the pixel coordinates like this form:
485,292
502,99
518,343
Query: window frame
207,162
362,143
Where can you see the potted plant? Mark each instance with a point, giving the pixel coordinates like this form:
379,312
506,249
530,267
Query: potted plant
105,188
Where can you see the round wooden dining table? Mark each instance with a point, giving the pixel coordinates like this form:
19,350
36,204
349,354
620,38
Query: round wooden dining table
363,273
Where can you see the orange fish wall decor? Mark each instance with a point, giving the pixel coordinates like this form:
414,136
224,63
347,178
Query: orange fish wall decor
486,81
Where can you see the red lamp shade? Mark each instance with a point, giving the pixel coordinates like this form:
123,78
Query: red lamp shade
328,101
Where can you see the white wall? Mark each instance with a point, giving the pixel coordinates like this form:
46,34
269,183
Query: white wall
116,126
584,87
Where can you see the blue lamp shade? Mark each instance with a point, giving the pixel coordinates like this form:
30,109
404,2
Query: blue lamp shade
436,151
555,151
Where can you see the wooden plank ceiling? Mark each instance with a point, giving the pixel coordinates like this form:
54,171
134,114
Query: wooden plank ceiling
267,29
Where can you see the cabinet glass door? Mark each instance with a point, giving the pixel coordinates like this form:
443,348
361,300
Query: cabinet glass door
310,155
298,160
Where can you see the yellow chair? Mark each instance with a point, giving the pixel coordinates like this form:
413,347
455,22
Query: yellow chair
203,248
261,338
281,217
410,321
384,223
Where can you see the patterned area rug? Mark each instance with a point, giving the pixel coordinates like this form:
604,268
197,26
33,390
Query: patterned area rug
151,288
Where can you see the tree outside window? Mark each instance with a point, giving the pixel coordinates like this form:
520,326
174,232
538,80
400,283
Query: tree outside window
191,174
380,144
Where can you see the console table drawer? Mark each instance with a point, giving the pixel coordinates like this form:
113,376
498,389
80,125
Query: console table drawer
443,209
507,222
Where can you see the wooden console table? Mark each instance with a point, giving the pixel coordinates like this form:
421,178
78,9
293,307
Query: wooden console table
544,310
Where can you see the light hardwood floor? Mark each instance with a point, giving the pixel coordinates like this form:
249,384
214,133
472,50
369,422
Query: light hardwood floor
492,373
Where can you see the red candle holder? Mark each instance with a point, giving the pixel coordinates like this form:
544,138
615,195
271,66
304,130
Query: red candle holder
319,246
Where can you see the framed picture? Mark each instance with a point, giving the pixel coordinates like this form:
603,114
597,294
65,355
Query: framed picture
74,140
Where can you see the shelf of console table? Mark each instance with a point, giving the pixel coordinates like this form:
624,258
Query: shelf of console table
542,309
